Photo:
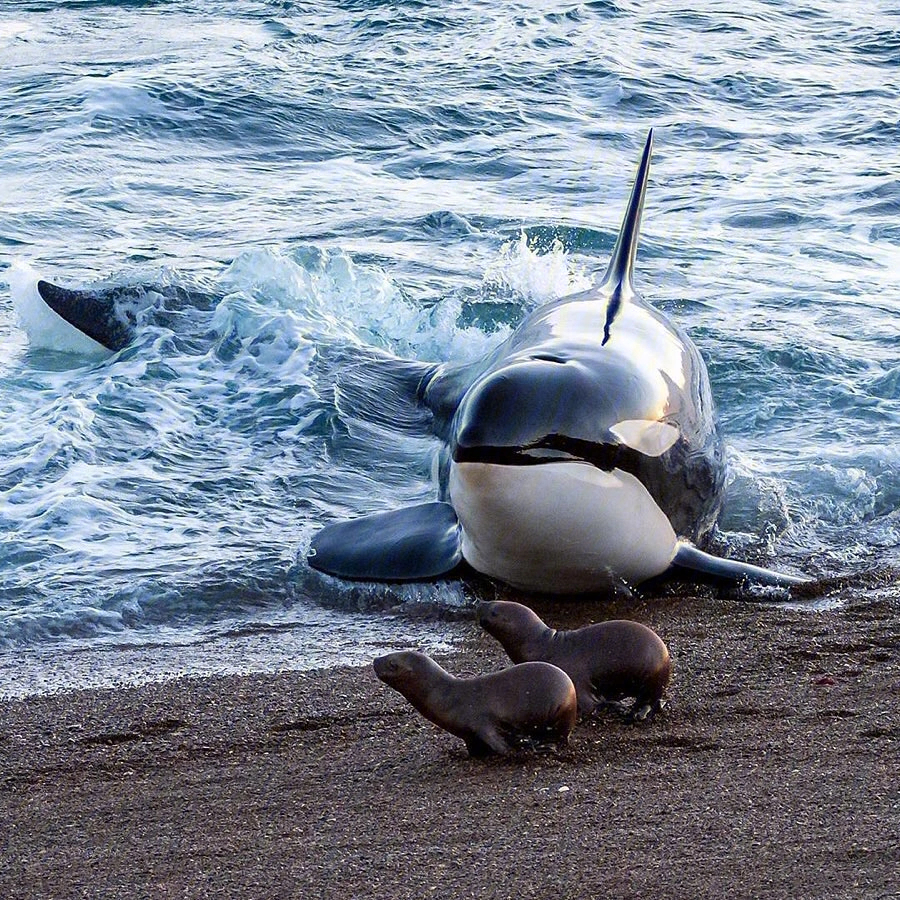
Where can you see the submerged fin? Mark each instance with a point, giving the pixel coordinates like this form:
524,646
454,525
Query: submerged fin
409,544
384,390
688,557
617,282
91,313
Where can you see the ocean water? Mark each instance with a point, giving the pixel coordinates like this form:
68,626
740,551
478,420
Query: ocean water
292,187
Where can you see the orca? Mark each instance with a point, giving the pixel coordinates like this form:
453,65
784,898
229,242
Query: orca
583,452
93,313
110,315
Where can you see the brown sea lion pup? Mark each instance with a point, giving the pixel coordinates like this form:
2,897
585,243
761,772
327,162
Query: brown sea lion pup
608,662
532,706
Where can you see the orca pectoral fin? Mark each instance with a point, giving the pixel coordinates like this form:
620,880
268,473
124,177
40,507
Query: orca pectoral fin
411,544
689,558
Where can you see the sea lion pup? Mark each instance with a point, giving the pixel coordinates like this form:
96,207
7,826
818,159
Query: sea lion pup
607,662
530,706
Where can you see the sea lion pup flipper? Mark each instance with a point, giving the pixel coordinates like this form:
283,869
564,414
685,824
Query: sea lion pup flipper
409,544
644,712
487,742
689,558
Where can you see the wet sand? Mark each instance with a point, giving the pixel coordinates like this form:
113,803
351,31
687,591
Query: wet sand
773,772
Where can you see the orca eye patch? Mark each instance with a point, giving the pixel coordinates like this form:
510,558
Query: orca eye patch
647,436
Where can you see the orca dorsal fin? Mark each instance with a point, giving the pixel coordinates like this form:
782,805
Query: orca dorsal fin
617,282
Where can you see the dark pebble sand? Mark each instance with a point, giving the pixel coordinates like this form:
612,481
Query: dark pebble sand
773,772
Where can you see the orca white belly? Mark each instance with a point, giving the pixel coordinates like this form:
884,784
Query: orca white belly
561,527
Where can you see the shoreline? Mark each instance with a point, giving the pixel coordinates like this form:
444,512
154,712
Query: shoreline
771,772
47,670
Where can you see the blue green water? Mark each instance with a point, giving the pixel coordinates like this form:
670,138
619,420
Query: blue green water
316,182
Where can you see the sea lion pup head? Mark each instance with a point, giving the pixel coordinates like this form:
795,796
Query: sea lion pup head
404,669
607,661
529,706
521,631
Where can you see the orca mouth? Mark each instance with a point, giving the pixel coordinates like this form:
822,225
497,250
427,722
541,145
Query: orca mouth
552,449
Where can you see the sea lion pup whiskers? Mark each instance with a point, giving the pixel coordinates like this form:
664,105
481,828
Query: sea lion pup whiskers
530,706
607,661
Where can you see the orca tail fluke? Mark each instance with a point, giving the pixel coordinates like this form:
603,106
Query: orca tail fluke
689,558
93,314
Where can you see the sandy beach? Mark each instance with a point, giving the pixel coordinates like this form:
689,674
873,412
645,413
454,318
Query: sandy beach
773,772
